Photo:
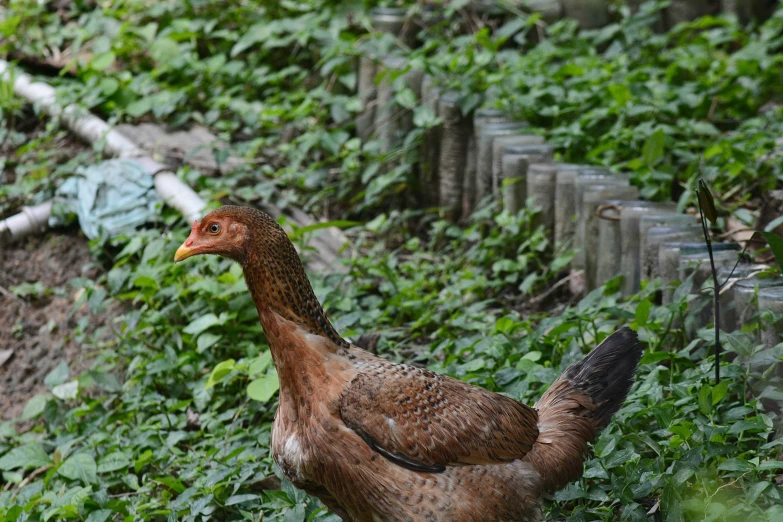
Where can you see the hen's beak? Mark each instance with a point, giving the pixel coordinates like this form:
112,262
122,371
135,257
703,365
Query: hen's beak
187,248
183,252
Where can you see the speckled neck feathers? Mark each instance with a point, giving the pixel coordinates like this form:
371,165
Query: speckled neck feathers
276,278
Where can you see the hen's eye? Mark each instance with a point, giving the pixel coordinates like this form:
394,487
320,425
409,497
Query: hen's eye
214,228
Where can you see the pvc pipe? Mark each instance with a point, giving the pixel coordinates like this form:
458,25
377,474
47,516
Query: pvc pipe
92,129
29,220
78,119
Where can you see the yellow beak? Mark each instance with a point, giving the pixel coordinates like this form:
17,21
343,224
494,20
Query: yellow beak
183,252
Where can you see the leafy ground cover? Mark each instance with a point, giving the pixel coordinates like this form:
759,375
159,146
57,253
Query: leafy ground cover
173,419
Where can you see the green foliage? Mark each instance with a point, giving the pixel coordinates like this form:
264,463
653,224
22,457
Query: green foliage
174,418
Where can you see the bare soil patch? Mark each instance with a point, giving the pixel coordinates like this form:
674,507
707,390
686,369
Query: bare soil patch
39,329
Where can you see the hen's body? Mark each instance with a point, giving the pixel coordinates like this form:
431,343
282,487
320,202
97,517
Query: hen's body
319,453
378,441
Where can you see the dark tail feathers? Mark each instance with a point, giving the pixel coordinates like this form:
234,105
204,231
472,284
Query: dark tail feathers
579,404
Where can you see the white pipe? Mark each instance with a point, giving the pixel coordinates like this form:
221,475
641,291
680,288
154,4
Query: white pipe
178,195
29,220
92,129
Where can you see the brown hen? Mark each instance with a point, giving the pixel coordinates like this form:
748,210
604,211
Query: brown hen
379,441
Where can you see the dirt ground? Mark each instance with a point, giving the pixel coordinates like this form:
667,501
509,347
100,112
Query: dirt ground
39,330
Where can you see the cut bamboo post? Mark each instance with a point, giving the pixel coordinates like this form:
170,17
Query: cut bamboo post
669,263
430,147
392,122
746,297
516,160
697,265
391,20
771,302
591,14
453,154
593,196
728,277
480,116
684,11
565,203
485,135
658,228
585,179
499,145
367,95
630,216
747,10
550,10
541,194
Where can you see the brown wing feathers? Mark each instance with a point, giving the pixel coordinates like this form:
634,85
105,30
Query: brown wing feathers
424,420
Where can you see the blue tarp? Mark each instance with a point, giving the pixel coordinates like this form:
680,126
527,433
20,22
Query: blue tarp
115,196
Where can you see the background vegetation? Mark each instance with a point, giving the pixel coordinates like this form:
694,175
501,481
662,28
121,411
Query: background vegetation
173,420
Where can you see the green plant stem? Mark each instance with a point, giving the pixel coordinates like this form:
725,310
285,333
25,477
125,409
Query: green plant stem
716,286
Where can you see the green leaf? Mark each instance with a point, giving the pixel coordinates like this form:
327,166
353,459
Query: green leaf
643,311
172,483
705,403
406,98
202,323
145,282
756,490
57,376
256,33
474,365
25,457
620,93
142,461
164,50
67,391
652,151
719,391
704,128
505,325
736,464
114,461
260,363
102,61
775,223
147,31
263,388
706,202
35,406
220,372
424,117
80,466
206,340
776,245
238,499
100,515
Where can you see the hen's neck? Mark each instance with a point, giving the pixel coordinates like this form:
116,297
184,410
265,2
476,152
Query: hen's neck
278,284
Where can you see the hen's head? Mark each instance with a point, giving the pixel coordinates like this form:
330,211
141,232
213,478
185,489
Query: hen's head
273,271
233,232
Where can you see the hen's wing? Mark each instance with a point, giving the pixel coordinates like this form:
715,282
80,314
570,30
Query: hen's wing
425,421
